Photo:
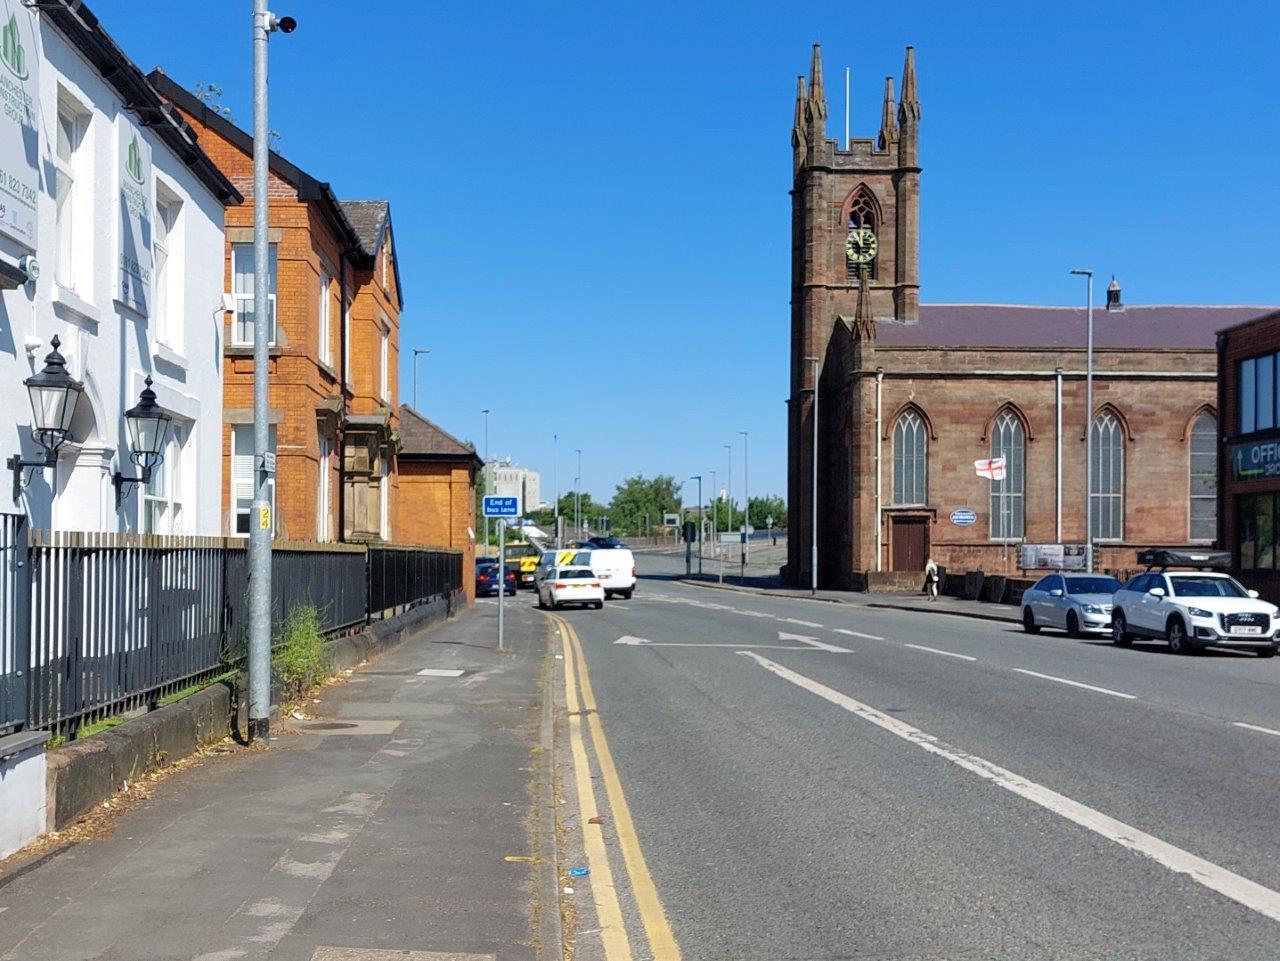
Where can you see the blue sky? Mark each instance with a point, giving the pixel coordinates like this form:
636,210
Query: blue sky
591,200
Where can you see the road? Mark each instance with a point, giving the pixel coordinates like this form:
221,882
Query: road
822,781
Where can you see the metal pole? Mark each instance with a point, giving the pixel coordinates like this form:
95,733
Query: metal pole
555,473
813,531
1088,419
715,513
417,352
261,522
746,502
701,520
488,483
577,496
502,576
728,489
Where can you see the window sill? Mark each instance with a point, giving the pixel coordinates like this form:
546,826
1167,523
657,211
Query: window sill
167,355
70,301
242,350
328,369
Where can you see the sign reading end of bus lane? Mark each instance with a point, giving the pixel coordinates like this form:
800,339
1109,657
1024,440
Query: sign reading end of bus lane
495,506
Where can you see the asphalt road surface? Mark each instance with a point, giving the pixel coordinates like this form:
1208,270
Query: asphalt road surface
822,781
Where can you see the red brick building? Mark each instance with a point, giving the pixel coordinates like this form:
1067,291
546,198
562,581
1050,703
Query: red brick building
336,299
911,395
437,503
1249,470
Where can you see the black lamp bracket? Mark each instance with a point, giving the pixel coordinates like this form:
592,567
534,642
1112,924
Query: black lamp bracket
123,483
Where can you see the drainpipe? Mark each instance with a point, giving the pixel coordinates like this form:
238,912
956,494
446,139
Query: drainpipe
340,438
879,431
1057,434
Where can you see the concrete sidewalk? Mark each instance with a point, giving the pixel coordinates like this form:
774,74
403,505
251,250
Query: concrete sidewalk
912,602
405,818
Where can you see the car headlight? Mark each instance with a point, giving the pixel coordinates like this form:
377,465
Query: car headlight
1199,612
1093,609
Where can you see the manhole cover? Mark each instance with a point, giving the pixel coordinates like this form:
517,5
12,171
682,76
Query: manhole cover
328,725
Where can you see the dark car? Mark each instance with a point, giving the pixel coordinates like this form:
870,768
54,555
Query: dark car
487,580
605,543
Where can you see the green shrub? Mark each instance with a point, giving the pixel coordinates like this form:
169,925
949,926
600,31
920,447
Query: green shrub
299,657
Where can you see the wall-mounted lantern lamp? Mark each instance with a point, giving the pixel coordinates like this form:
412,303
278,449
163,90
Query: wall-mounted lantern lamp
148,427
54,395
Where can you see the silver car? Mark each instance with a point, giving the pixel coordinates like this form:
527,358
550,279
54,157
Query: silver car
1076,603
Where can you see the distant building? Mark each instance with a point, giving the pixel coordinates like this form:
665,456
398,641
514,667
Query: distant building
335,299
911,395
437,503
111,241
511,480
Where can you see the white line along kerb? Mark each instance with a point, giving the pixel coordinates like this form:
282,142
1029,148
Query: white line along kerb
1227,883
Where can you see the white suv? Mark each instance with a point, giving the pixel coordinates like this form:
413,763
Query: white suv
1193,610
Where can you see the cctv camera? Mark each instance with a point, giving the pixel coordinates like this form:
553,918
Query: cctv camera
287,24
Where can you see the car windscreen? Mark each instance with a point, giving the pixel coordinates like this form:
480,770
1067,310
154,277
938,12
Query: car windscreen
575,575
1206,587
1092,585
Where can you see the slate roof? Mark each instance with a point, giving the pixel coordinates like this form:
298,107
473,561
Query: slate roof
369,218
422,439
1015,325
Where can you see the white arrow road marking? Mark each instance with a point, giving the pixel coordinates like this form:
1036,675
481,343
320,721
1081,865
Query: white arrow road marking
811,642
1240,889
1254,727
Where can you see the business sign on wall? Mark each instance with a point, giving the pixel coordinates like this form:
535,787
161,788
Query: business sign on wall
19,140
1258,460
135,216
1051,557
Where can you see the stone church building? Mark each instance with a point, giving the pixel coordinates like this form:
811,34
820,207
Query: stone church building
910,395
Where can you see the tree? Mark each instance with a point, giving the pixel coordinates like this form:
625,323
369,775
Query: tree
766,507
639,498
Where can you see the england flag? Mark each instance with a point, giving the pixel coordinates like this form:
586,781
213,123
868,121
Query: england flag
992,469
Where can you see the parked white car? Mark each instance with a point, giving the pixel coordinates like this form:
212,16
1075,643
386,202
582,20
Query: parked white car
1076,603
1193,610
571,585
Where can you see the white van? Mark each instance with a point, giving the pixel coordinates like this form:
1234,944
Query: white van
616,568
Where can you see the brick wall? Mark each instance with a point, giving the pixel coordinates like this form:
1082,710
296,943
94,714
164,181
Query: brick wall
437,509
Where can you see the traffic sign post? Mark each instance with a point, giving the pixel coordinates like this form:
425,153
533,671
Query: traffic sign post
501,508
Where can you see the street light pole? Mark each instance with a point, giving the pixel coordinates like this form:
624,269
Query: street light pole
1088,419
746,503
813,530
488,486
577,496
728,488
715,513
555,473
417,352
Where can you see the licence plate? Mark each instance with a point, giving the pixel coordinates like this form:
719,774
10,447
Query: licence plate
1246,629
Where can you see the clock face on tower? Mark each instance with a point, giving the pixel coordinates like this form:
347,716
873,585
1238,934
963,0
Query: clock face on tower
860,246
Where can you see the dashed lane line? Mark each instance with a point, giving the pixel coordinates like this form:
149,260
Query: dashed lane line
869,637
1252,895
934,650
1087,687
1254,727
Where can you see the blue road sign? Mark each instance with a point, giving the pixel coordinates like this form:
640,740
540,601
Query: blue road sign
495,506
963,517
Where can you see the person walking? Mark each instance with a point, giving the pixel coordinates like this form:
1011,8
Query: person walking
931,579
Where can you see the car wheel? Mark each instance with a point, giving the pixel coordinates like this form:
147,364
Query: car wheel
542,605
1120,635
1176,635
608,595
626,595
598,605
1073,624
1029,621
1269,651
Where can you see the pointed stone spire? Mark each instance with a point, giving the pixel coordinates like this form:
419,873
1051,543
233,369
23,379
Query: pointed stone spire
888,117
909,109
801,97
800,126
817,95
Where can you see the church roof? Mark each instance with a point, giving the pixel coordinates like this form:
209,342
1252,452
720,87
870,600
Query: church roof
1017,325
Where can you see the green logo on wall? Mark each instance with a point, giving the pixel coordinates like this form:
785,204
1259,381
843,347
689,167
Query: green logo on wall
12,55
134,162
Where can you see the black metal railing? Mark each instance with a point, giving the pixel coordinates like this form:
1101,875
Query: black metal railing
99,624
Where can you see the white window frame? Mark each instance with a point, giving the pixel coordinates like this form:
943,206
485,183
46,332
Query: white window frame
323,502
72,268
167,250
323,332
245,338
247,485
346,342
384,359
164,494
1008,496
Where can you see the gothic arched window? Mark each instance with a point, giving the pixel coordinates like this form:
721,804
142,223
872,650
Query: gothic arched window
1204,477
1106,478
862,213
910,460
1007,438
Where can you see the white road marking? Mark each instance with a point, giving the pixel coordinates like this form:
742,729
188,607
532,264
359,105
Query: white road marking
439,672
1240,889
812,642
934,650
1254,727
1087,687
618,607
796,620
869,637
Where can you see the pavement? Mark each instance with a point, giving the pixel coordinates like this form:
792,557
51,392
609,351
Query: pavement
402,820
829,781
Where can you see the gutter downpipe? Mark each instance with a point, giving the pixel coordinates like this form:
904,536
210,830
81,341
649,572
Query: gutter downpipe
340,441
1057,512
879,481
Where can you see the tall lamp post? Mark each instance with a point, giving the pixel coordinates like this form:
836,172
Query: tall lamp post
1087,274
555,474
728,489
417,352
715,505
577,496
701,519
813,529
488,481
260,533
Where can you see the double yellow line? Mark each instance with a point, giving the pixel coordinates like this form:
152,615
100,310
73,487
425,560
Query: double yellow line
613,934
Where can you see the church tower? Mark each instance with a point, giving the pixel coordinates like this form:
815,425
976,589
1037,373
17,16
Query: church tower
842,196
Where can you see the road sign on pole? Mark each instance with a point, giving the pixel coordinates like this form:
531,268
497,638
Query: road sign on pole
502,567
495,506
